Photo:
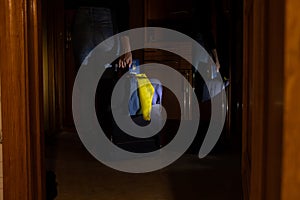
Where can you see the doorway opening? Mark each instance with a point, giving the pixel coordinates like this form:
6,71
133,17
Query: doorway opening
81,175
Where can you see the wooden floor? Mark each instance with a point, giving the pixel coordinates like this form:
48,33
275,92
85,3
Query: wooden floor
80,176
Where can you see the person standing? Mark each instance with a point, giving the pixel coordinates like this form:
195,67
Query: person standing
202,31
94,22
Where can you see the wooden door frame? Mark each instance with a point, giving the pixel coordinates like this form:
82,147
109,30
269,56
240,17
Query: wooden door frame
20,58
20,49
263,85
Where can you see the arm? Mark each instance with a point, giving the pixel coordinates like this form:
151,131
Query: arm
122,14
215,54
126,57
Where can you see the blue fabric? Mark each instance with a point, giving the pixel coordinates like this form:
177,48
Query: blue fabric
211,89
134,101
134,68
157,97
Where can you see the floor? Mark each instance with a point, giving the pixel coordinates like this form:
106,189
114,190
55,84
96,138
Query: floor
80,176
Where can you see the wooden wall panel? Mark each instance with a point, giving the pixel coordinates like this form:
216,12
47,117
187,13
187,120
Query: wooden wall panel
274,84
54,68
21,96
291,153
253,99
263,99
247,63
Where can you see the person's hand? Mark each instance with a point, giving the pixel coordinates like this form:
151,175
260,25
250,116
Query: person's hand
126,58
218,65
215,54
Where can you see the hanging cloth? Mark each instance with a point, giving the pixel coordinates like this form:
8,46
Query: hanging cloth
146,92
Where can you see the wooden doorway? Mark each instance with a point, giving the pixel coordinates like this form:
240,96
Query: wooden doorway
21,100
263,94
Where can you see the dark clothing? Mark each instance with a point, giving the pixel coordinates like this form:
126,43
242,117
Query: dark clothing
202,15
206,40
94,22
202,20
202,24
91,26
119,10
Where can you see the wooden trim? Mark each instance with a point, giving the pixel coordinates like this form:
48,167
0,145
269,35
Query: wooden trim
247,54
274,85
257,103
54,64
262,100
20,55
50,43
59,66
253,98
291,140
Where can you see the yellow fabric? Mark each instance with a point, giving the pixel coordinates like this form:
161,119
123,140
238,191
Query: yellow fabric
146,92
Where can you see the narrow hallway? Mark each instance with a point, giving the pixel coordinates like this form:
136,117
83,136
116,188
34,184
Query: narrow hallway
80,176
